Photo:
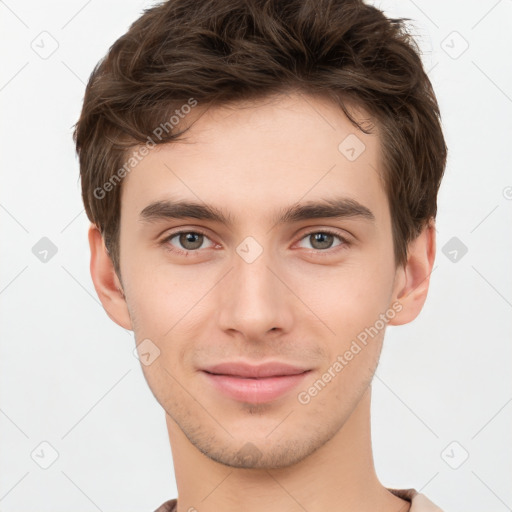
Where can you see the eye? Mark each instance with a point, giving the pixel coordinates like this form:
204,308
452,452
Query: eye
323,240
189,241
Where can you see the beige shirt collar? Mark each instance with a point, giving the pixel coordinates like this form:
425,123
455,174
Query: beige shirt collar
419,502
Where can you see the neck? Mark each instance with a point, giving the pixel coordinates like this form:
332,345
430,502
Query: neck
340,475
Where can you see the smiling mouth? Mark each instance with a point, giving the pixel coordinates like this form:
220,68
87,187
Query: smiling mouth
256,388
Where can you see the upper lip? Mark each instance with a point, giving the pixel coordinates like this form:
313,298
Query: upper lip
240,369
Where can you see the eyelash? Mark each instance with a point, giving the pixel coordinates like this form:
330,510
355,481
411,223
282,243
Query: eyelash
327,252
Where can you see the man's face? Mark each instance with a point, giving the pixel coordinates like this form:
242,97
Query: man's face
301,290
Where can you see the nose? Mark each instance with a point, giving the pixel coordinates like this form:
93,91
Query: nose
254,299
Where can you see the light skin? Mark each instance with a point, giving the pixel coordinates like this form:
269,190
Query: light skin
302,301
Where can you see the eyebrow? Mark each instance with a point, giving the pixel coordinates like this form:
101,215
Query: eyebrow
328,208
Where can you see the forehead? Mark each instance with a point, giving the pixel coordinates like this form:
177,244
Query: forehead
261,156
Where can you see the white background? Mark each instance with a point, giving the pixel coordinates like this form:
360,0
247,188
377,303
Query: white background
67,373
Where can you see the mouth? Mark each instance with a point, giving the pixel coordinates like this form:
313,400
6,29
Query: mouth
254,384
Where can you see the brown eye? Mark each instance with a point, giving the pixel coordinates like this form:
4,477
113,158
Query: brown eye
324,240
191,241
187,241
321,240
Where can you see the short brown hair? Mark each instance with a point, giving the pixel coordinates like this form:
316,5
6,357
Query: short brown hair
219,51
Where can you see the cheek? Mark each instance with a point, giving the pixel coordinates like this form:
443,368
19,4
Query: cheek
352,310
161,296
351,303
350,298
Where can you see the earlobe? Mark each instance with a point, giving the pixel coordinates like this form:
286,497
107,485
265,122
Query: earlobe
106,281
412,280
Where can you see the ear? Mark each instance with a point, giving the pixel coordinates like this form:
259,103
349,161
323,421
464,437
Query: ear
412,279
107,284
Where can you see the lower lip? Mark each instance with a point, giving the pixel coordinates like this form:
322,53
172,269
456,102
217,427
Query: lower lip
255,391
